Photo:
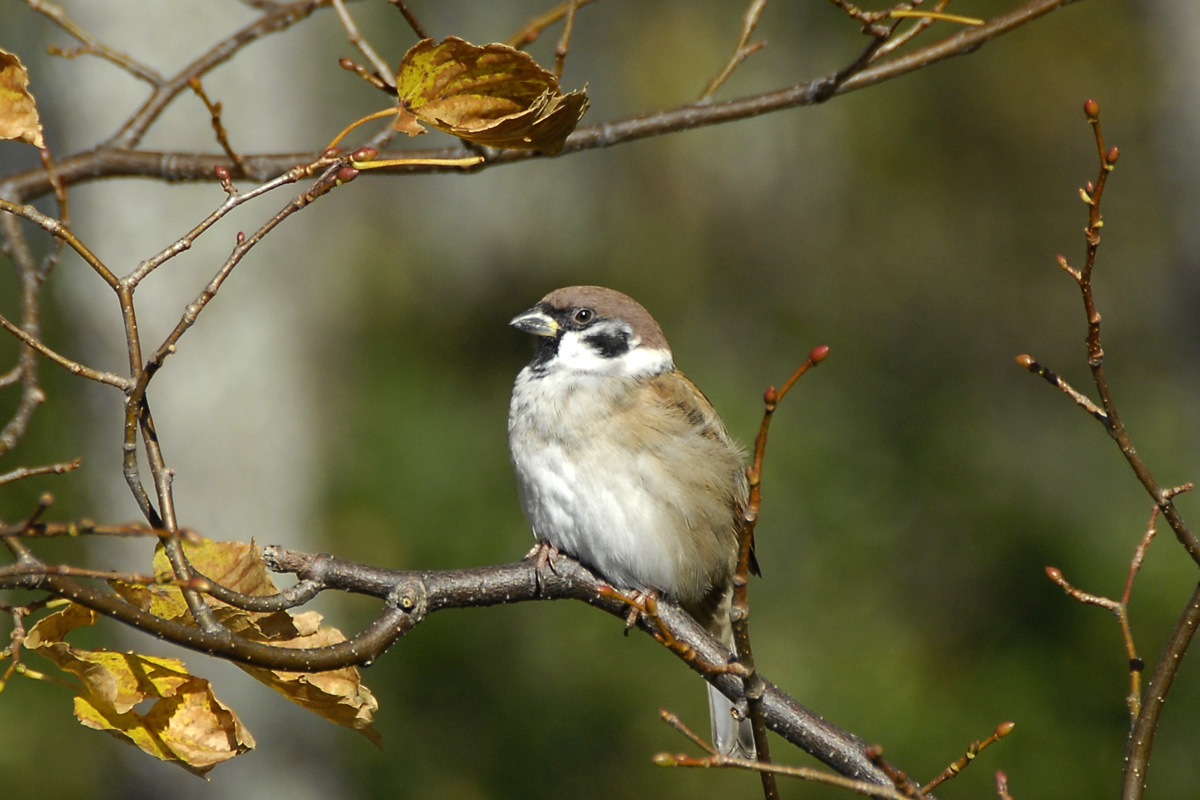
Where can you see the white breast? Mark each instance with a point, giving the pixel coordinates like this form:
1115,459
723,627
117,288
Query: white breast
624,482
589,493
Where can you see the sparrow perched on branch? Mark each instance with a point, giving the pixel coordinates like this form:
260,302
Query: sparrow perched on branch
624,464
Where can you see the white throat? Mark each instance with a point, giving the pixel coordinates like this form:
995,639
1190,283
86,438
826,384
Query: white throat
574,355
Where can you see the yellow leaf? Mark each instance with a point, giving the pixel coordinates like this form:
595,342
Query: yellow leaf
191,727
235,565
18,111
185,723
338,695
54,627
493,95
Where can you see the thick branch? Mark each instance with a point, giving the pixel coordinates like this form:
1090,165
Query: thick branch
520,582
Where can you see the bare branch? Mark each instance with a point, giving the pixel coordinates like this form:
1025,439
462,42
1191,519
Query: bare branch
114,159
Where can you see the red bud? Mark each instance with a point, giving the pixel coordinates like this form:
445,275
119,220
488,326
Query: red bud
770,396
1054,574
346,63
331,152
364,154
1025,360
221,173
818,353
1112,155
1091,108
346,174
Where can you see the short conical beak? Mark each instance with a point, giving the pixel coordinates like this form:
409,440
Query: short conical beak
535,321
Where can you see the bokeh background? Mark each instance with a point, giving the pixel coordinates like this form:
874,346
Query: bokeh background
347,390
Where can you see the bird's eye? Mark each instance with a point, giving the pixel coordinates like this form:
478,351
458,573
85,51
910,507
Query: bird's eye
583,316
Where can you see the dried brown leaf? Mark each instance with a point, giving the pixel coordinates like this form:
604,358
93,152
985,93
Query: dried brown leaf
493,95
18,111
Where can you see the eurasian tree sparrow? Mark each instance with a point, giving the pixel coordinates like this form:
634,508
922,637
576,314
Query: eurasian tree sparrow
624,464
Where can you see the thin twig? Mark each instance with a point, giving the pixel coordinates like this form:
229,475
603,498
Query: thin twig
214,111
900,39
564,41
32,394
410,18
37,570
278,18
74,367
741,51
1120,610
64,214
715,760
904,784
382,68
84,527
93,46
20,473
740,610
967,758
55,228
532,29
1081,400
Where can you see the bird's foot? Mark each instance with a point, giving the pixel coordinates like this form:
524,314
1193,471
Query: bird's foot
544,555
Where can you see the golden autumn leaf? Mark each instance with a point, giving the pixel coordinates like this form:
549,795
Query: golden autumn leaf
190,727
493,95
185,724
337,695
18,112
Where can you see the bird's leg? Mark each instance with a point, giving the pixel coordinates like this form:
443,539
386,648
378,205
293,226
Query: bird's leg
645,604
545,554
641,603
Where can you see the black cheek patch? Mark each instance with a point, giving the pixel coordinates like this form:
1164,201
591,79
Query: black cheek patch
608,343
547,349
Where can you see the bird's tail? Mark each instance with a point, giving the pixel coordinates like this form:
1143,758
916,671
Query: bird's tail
731,736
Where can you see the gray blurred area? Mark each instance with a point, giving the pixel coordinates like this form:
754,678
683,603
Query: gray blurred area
347,389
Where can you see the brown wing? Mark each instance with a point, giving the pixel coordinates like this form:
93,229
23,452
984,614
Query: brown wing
675,390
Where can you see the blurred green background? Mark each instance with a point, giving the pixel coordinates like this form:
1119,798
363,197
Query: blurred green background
917,484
